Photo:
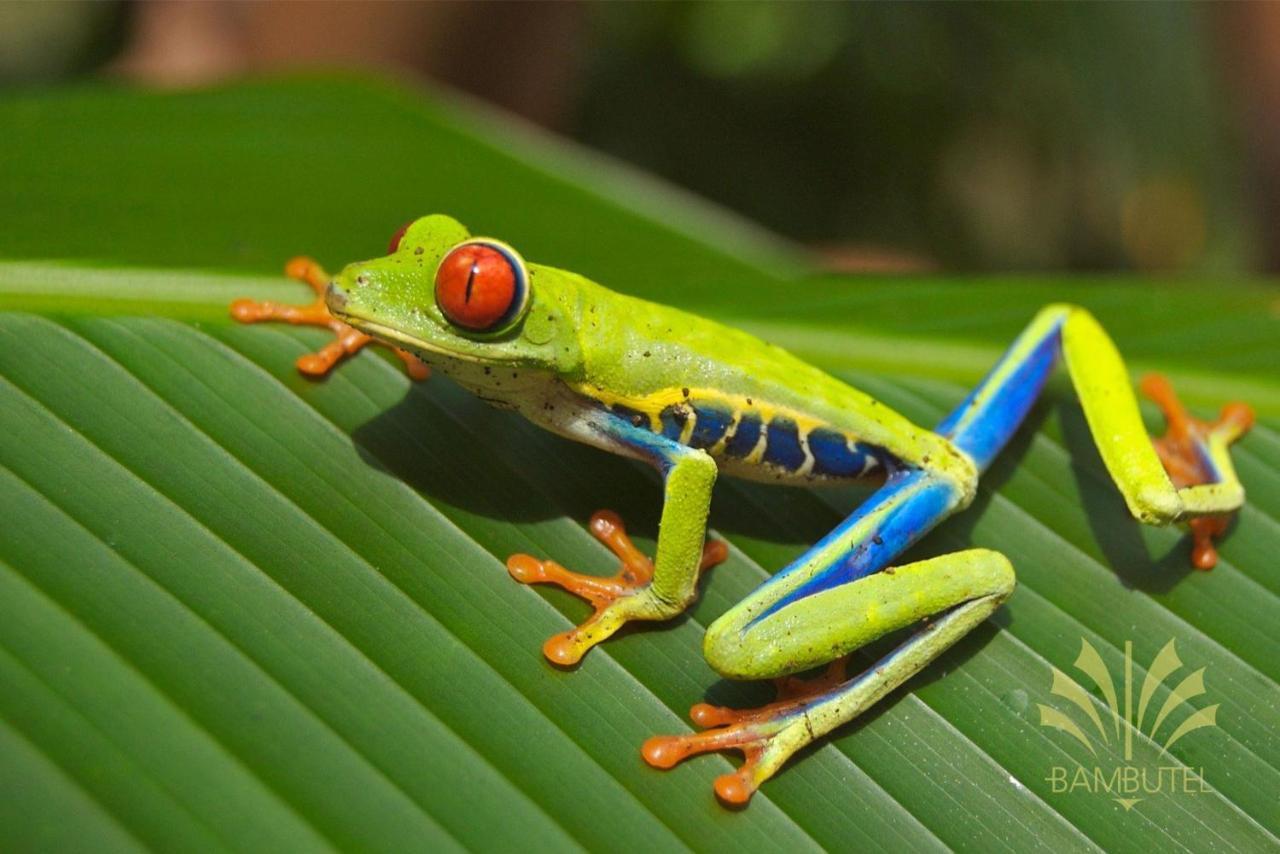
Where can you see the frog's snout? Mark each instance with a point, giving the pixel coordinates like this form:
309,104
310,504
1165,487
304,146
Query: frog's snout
335,298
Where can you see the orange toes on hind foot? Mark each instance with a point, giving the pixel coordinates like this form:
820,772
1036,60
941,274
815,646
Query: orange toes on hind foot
736,788
760,733
1181,452
1204,530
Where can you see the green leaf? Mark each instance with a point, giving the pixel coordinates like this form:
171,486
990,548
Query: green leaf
242,609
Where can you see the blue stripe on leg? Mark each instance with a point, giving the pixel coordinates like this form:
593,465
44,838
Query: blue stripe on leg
983,424
909,504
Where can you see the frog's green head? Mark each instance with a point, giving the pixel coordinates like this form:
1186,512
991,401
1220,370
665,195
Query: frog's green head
462,303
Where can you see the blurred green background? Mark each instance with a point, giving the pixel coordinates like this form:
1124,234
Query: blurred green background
238,605
888,136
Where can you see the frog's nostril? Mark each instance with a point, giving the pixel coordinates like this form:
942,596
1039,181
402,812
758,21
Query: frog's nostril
335,297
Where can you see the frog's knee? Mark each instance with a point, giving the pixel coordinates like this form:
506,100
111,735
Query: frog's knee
996,572
724,648
1155,504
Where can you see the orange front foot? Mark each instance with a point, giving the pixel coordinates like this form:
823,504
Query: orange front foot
346,339
1180,452
765,736
623,597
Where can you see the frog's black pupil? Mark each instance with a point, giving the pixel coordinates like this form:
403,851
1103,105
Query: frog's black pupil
471,281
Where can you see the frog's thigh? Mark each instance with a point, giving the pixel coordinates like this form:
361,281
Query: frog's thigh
834,622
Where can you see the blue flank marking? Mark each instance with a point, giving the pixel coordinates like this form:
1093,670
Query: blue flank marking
832,456
922,501
673,420
983,433
655,447
744,440
782,448
711,425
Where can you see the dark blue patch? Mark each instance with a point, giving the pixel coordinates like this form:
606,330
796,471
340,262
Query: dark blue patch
832,455
783,444
634,416
673,420
744,440
711,425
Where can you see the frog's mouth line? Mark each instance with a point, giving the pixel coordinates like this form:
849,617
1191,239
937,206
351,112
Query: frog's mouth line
408,342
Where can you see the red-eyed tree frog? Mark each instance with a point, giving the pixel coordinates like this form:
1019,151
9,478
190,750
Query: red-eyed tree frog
694,398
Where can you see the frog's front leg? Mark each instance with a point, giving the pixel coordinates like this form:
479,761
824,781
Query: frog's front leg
346,340
642,589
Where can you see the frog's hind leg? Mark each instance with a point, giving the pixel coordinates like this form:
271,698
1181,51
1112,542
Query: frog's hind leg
842,594
768,736
1187,476
833,600
347,340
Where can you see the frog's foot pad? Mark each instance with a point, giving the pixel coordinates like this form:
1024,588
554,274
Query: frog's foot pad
1183,452
622,597
346,340
766,735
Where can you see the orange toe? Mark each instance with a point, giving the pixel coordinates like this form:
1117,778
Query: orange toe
667,751
1182,452
347,340
748,731
606,594
736,788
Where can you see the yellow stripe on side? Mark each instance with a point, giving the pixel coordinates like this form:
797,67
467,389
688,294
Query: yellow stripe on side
653,404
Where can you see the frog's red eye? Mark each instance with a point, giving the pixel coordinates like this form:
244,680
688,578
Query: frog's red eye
482,285
396,238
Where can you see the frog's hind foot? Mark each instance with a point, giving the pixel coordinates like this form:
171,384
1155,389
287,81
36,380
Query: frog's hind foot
766,735
1186,451
622,597
347,340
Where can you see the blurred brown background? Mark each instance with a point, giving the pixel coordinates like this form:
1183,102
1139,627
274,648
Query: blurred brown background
960,136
